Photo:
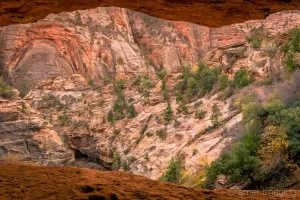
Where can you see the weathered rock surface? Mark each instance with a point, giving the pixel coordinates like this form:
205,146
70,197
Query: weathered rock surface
207,12
24,134
68,63
118,43
74,183
87,132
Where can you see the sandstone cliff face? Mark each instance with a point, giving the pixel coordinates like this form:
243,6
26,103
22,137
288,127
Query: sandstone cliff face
67,65
115,43
87,132
25,134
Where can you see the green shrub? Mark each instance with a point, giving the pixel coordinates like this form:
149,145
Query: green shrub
162,74
191,87
119,85
293,47
241,163
174,171
198,83
145,84
52,101
168,113
23,109
110,117
131,159
195,151
146,157
290,119
162,134
130,100
101,103
216,114
64,118
78,18
200,114
116,132
5,90
116,161
256,37
263,151
148,84
120,61
121,108
148,134
126,151
131,111
139,139
224,82
125,166
91,82
255,42
241,78
182,108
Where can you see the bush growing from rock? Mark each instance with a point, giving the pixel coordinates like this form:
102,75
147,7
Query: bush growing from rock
292,49
241,78
168,113
110,117
200,114
223,82
216,114
162,74
78,18
174,171
256,37
120,61
146,157
148,134
162,134
64,118
196,83
5,90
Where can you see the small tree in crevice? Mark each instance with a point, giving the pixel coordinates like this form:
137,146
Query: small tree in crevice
174,171
168,113
215,115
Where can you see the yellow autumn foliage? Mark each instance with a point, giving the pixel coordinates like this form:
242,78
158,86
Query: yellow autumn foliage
197,178
274,147
194,68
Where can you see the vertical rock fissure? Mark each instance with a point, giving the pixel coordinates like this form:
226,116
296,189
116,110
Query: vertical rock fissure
27,147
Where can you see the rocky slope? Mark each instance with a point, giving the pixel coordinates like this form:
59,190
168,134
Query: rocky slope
67,66
21,181
24,135
206,12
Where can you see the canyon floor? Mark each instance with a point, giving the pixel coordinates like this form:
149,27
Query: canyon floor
20,181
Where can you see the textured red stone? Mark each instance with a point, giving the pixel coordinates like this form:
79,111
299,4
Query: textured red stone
206,12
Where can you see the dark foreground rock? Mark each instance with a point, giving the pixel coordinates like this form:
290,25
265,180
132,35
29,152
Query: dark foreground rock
19,181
